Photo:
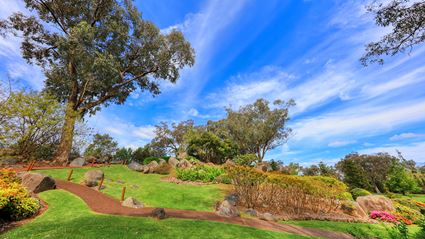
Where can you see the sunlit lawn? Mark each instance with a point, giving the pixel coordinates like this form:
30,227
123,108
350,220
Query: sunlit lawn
149,189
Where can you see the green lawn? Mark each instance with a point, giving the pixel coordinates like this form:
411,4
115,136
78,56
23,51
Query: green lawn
417,197
69,217
149,189
358,230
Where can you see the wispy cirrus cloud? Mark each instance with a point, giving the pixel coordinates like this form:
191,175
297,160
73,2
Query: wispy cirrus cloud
403,136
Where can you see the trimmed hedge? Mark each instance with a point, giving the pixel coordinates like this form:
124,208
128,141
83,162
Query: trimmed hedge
15,201
204,173
357,192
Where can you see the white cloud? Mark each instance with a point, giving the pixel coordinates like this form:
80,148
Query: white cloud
405,136
413,151
359,121
340,143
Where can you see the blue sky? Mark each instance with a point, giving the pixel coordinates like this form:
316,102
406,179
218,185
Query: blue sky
305,50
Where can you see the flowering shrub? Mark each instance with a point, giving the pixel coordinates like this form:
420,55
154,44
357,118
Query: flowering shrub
383,216
388,217
15,201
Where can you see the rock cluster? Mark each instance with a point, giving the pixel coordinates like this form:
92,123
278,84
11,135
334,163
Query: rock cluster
38,182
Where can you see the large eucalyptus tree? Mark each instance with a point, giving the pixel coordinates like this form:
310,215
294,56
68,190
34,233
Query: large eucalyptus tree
95,53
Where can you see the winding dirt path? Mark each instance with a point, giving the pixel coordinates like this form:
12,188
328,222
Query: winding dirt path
105,204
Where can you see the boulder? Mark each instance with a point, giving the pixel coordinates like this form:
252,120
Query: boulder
173,162
91,159
162,161
353,209
37,182
232,198
227,209
251,212
184,164
132,202
229,162
375,203
92,177
135,166
265,167
159,213
267,217
145,169
151,166
78,162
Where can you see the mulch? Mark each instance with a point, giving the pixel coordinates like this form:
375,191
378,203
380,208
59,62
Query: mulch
105,204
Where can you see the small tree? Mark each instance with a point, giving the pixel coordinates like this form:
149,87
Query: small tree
103,147
208,147
400,180
95,53
172,138
352,172
31,124
124,154
256,128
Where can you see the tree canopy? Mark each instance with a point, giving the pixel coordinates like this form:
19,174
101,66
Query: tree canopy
96,52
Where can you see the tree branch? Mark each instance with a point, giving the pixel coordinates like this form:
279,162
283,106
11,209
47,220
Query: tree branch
54,16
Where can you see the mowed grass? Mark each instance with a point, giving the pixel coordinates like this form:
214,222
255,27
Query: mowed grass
69,217
358,230
149,189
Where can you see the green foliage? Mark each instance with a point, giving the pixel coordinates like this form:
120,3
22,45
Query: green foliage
399,231
102,147
124,154
257,128
400,180
15,202
408,212
204,173
31,124
345,196
246,159
357,192
171,138
421,233
366,171
208,147
149,150
150,159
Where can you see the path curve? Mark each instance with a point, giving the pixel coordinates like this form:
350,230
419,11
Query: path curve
105,204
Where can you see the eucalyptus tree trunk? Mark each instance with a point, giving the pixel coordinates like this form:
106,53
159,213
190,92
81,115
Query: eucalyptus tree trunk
65,146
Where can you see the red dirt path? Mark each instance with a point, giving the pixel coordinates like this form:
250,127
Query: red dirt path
102,203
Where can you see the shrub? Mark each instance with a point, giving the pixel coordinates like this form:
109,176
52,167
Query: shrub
224,178
202,173
166,158
15,201
150,159
345,196
357,192
164,168
246,159
405,211
286,193
388,217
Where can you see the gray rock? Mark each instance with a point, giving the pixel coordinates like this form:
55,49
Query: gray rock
159,213
227,209
162,161
267,217
132,202
232,198
251,212
152,165
37,182
173,162
78,162
92,177
184,164
135,166
264,166
145,169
